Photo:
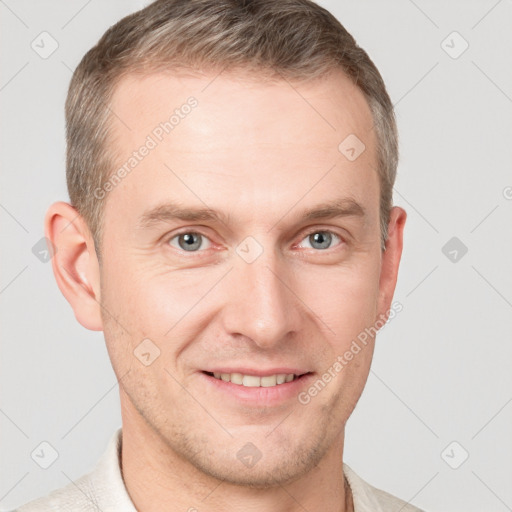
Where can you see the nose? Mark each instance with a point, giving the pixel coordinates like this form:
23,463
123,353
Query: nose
262,304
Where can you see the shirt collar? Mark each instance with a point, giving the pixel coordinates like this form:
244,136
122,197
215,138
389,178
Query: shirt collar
108,479
362,493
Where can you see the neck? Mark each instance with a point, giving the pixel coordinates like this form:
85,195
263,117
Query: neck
157,478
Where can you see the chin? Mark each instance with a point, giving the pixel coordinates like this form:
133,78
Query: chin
261,464
263,475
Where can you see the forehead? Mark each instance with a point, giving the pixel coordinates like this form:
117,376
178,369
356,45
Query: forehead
261,140
321,111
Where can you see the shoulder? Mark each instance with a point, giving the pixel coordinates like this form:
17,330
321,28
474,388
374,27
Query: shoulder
391,503
101,489
77,496
370,499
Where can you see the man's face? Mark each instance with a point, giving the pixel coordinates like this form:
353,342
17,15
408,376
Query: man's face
261,290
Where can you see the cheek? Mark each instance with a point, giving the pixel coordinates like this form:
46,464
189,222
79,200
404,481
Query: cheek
160,303
344,298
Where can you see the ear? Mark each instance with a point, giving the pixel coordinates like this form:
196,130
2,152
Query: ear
391,259
74,263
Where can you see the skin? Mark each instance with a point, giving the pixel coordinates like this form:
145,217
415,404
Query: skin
261,153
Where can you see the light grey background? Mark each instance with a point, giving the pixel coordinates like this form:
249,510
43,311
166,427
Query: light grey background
442,367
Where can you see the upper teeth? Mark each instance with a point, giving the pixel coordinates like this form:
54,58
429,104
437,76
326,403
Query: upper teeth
254,381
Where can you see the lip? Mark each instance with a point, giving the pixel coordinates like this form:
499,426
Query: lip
258,396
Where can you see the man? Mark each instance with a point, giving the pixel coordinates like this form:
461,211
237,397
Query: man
230,168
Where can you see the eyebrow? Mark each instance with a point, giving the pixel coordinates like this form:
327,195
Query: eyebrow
168,212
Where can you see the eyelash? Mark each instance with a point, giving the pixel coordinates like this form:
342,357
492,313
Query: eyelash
307,234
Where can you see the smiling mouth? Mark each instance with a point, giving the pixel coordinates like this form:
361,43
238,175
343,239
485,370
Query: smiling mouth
255,381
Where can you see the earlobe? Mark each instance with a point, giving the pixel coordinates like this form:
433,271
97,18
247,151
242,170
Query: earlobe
74,263
391,259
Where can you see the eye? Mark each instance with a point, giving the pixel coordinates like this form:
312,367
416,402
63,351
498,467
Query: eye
189,241
321,239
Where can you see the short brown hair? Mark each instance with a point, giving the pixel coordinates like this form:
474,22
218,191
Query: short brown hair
290,39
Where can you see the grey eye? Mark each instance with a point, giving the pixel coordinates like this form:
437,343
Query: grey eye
189,241
320,239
